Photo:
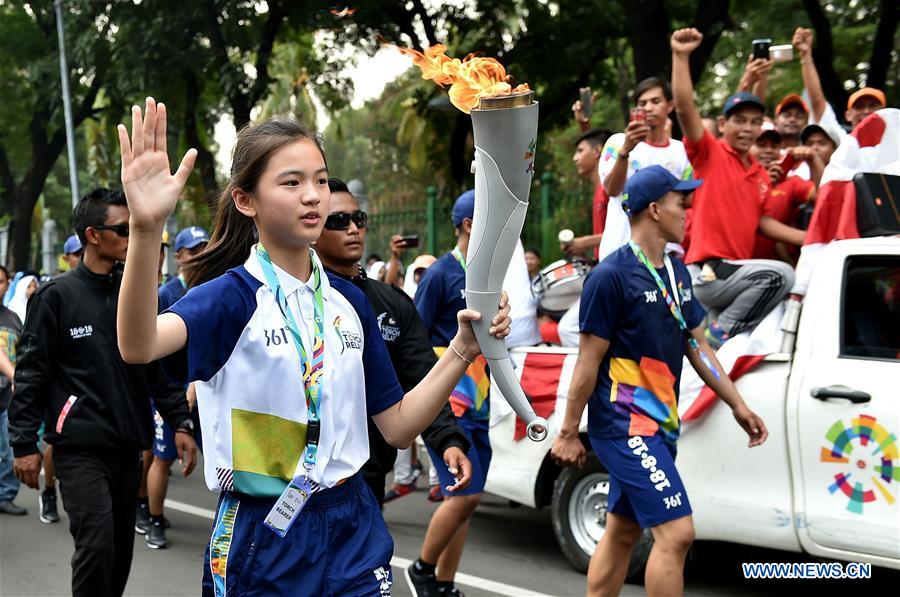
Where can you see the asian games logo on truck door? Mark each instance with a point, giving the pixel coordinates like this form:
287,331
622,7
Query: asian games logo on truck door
871,465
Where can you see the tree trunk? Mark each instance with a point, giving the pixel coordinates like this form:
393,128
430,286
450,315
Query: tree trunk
883,45
648,31
19,245
711,19
205,160
822,55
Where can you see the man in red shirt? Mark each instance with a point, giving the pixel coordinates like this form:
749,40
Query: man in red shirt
738,291
587,159
789,194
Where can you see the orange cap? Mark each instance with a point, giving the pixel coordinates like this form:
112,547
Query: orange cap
790,100
422,262
867,92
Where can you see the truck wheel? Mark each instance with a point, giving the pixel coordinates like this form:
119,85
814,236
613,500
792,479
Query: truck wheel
579,516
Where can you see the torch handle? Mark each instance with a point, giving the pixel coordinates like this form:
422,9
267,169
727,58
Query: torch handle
497,356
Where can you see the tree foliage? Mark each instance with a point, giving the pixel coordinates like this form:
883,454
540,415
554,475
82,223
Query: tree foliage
216,61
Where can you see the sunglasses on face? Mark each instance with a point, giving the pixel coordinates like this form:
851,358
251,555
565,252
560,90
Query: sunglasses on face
341,220
120,229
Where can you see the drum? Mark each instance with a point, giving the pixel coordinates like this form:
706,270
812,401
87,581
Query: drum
558,286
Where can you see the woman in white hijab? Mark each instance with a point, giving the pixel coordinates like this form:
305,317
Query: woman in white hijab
25,287
376,271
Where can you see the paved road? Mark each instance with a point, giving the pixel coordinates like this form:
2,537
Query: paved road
511,551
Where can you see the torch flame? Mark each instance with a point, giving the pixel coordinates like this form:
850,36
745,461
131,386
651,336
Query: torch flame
469,79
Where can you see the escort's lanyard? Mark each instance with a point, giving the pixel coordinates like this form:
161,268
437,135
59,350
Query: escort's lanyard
459,257
673,304
310,369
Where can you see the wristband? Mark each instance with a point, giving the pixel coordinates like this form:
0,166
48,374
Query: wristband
459,354
623,155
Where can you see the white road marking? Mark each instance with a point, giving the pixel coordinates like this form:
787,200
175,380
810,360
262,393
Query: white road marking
397,562
189,509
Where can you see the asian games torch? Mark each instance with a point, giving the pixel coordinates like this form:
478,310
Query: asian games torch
505,122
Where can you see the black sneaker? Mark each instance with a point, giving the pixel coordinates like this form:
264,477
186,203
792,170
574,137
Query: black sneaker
451,591
156,537
142,518
47,502
422,584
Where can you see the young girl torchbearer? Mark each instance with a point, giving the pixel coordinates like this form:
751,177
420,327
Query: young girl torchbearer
289,362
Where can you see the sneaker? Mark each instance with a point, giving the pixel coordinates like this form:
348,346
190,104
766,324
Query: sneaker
12,509
715,335
156,537
434,494
47,503
416,471
421,584
142,519
450,590
398,491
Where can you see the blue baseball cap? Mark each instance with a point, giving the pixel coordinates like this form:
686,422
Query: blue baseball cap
741,99
72,245
464,207
649,184
190,237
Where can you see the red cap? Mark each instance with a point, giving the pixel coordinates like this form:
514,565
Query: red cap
791,99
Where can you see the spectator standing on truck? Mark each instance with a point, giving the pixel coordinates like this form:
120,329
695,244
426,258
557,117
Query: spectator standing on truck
639,319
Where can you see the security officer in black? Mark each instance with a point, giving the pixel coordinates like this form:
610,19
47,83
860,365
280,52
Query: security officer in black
95,408
340,247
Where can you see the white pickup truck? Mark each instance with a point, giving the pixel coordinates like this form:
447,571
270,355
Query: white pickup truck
826,481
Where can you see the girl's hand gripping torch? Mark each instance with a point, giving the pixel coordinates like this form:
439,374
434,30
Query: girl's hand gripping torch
505,137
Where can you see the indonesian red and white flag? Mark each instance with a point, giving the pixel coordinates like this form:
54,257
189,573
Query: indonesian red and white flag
873,146
545,375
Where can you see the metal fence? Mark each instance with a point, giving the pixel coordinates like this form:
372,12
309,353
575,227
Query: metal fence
550,210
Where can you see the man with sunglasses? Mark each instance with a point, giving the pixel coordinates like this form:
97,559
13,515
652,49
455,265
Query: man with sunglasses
340,247
96,408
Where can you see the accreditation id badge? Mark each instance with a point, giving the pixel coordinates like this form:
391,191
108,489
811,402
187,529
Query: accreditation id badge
288,505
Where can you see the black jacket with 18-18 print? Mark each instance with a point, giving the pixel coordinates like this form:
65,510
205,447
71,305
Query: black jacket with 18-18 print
70,375
413,357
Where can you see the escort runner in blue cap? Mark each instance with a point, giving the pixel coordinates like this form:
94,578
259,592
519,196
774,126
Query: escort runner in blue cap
72,251
150,519
190,237
652,184
440,294
639,319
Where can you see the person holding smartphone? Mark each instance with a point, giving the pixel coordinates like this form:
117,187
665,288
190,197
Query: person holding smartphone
394,270
789,193
645,142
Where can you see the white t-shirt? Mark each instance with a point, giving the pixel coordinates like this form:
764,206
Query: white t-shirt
829,121
249,388
522,304
670,156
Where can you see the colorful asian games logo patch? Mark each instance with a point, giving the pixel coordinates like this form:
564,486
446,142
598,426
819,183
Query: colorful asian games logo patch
871,450
529,156
347,339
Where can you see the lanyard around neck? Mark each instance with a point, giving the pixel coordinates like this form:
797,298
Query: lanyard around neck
311,370
459,257
674,304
